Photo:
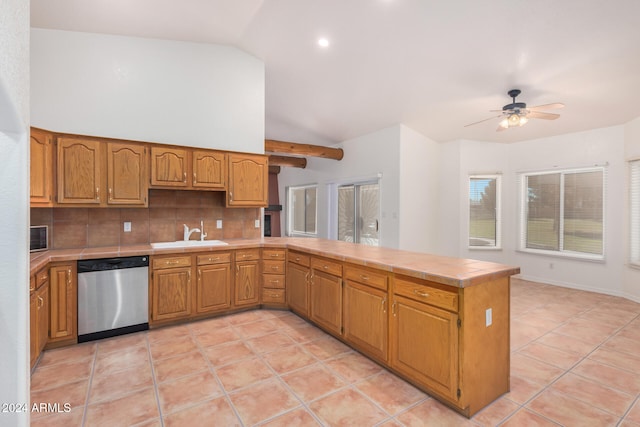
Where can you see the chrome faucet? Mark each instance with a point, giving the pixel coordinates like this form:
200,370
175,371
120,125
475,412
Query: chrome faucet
187,232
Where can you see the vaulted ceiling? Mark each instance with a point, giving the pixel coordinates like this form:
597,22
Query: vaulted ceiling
430,64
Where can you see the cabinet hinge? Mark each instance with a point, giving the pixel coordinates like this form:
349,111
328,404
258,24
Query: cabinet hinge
458,393
459,323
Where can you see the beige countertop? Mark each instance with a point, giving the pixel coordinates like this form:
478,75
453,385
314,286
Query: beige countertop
458,272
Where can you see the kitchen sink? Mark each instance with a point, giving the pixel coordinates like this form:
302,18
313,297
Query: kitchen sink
187,244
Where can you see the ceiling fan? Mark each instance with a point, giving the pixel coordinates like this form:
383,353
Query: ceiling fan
518,114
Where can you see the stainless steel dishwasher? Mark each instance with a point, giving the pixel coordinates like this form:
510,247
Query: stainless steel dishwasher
113,297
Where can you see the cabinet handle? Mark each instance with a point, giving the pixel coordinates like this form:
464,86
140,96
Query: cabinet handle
274,281
69,277
275,255
421,293
194,178
184,177
40,302
306,277
275,268
98,193
237,269
326,267
214,259
230,195
384,305
171,262
199,275
363,277
189,276
110,194
393,308
32,289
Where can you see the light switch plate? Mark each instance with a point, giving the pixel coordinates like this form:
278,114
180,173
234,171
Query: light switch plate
488,317
127,227
219,223
257,223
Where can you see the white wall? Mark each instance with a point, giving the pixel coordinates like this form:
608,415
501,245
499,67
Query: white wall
163,91
419,173
365,157
599,146
631,275
14,215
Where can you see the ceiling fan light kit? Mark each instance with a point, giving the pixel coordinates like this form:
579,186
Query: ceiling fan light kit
517,114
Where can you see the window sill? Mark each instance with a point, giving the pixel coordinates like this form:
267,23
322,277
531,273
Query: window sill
565,255
484,248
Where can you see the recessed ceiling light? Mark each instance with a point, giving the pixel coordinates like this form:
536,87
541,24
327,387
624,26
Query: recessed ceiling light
322,42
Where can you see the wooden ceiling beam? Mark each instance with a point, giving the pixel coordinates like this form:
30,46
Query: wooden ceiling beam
273,146
296,162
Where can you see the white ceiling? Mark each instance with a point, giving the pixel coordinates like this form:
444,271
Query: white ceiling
433,65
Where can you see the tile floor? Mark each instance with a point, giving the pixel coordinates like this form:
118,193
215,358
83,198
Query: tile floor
575,362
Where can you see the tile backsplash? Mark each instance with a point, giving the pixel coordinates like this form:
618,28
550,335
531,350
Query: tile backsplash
162,221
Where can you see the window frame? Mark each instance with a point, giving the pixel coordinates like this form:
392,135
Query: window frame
290,207
498,209
634,213
523,207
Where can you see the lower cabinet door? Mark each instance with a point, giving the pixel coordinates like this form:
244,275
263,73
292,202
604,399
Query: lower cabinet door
425,345
365,319
247,283
63,287
297,288
171,293
33,328
42,303
213,290
326,301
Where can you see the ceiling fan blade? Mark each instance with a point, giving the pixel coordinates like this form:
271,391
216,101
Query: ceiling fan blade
490,118
541,115
554,106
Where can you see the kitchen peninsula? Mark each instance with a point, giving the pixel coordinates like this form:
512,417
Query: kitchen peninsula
442,323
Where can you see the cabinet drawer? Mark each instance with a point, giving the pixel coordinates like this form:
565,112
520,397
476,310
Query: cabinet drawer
273,296
273,281
248,255
366,277
274,254
273,267
171,262
327,266
299,258
221,258
421,291
42,277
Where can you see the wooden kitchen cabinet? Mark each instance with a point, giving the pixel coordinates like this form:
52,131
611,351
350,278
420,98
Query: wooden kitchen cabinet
248,180
39,313
273,277
169,167
213,288
79,171
127,182
325,294
41,167
298,272
170,296
247,278
209,169
366,311
63,303
425,345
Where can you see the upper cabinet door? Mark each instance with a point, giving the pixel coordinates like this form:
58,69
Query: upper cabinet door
169,167
79,164
41,168
126,174
209,169
248,180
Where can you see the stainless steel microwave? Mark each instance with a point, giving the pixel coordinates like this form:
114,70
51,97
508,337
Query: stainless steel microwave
39,237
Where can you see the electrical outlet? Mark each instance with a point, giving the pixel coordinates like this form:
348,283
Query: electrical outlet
127,227
488,317
257,223
219,223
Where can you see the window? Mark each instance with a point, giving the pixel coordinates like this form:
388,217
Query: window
358,213
301,211
484,211
635,212
563,212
